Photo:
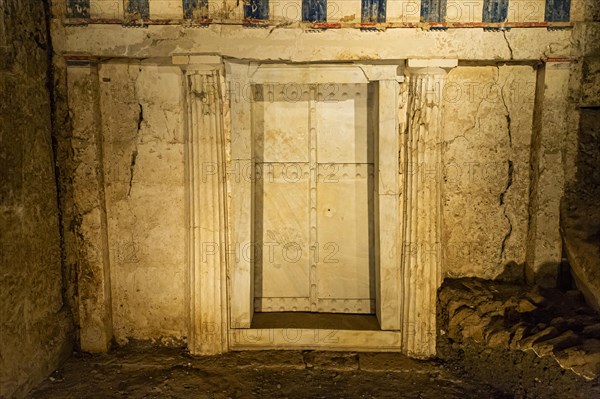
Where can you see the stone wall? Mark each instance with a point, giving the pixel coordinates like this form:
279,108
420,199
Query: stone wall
35,326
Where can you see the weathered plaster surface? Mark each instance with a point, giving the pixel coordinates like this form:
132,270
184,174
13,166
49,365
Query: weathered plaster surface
487,113
143,146
295,44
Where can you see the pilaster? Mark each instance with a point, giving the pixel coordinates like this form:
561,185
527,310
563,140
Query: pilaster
421,247
207,211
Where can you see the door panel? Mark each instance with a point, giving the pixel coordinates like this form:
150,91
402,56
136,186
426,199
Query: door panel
313,199
342,124
284,234
285,136
344,268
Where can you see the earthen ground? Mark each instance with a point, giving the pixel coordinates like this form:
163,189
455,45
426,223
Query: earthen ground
131,372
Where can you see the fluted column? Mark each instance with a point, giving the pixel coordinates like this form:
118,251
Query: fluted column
421,255
207,213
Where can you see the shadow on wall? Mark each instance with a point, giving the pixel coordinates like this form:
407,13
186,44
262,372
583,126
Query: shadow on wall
587,186
580,210
545,277
513,273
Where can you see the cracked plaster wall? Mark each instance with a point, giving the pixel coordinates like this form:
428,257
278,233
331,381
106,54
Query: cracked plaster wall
143,147
487,133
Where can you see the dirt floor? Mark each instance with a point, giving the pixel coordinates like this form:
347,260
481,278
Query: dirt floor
172,373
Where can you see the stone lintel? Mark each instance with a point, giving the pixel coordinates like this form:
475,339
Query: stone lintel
431,63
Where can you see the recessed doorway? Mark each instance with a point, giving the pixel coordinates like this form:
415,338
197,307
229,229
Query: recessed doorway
315,206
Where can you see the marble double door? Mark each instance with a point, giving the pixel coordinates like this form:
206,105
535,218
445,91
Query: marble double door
313,198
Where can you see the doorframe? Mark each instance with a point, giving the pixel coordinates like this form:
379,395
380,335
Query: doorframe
407,271
388,188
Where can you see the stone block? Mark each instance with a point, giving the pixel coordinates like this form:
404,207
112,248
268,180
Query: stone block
455,323
553,345
499,339
473,327
455,306
524,306
579,322
492,308
592,331
581,362
270,360
518,332
591,345
547,333
535,297
559,322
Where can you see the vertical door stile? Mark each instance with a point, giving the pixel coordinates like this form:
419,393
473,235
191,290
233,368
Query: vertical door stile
255,218
313,179
195,230
239,175
223,198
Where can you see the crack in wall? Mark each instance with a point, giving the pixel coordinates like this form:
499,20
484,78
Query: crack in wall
509,182
506,236
510,173
51,84
508,44
279,25
476,120
134,153
140,117
507,111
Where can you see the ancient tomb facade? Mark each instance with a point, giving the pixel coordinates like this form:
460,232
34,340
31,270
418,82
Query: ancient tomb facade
237,172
